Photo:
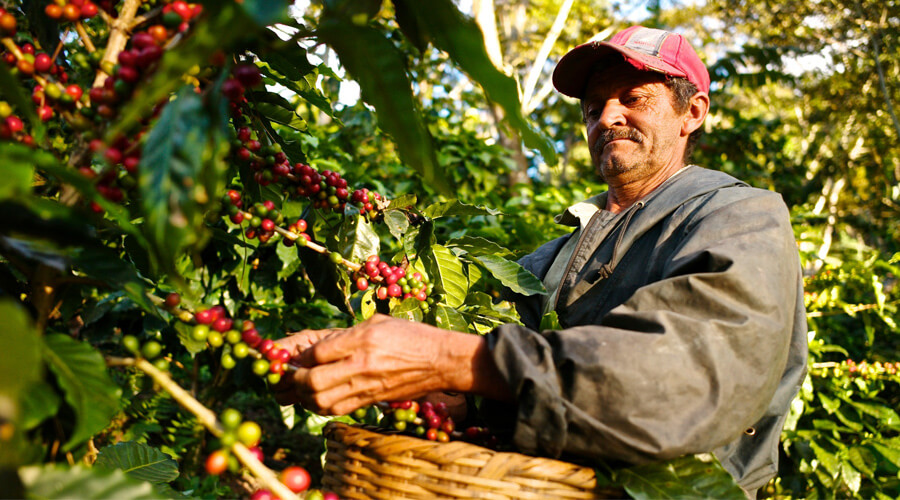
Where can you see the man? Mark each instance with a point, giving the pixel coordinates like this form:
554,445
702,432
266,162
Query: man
679,292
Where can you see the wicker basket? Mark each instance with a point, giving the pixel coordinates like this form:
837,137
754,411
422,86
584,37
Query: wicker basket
362,464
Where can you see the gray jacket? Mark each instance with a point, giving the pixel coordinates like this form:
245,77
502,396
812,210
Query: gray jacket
684,331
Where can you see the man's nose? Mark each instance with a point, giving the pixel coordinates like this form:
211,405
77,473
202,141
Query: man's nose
612,114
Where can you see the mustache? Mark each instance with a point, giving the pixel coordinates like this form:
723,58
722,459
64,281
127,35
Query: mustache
610,135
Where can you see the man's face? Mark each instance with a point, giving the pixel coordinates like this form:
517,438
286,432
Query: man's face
633,130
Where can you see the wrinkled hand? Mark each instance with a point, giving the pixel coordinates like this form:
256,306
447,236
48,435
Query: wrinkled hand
381,359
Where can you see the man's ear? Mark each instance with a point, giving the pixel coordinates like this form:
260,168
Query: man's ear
696,113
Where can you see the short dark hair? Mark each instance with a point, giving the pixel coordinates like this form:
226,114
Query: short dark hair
682,91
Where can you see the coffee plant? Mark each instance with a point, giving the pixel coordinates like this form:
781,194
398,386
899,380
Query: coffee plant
168,215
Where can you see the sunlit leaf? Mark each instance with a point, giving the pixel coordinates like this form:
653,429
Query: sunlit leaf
686,477
449,318
358,239
475,245
456,207
138,461
381,72
460,37
512,275
448,276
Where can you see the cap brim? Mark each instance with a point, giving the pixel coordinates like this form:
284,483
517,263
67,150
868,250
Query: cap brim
571,73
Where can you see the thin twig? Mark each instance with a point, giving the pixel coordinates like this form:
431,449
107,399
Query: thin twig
85,38
118,38
208,418
59,45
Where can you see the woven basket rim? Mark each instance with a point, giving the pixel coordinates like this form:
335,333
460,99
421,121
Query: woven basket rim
362,462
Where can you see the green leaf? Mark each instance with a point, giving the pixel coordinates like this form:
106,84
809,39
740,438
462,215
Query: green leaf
278,109
138,461
476,245
826,458
512,275
461,38
828,403
106,265
449,319
406,309
17,169
357,239
380,70
455,208
397,223
862,459
851,477
82,483
290,261
181,170
21,353
448,276
20,371
890,453
38,403
367,305
550,321
288,416
685,477
184,335
887,417
81,373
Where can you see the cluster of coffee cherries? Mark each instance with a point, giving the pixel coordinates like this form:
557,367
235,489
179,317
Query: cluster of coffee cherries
238,339
243,76
151,350
177,15
237,430
393,282
124,152
72,10
241,339
428,421
868,370
12,127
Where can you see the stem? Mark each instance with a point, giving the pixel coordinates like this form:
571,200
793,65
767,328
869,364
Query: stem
85,38
208,418
11,46
118,38
59,45
138,20
353,266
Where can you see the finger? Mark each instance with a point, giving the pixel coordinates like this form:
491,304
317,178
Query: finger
329,349
303,340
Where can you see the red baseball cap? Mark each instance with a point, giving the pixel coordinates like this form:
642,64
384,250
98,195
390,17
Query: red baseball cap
646,49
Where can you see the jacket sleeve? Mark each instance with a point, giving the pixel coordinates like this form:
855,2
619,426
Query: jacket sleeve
683,366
